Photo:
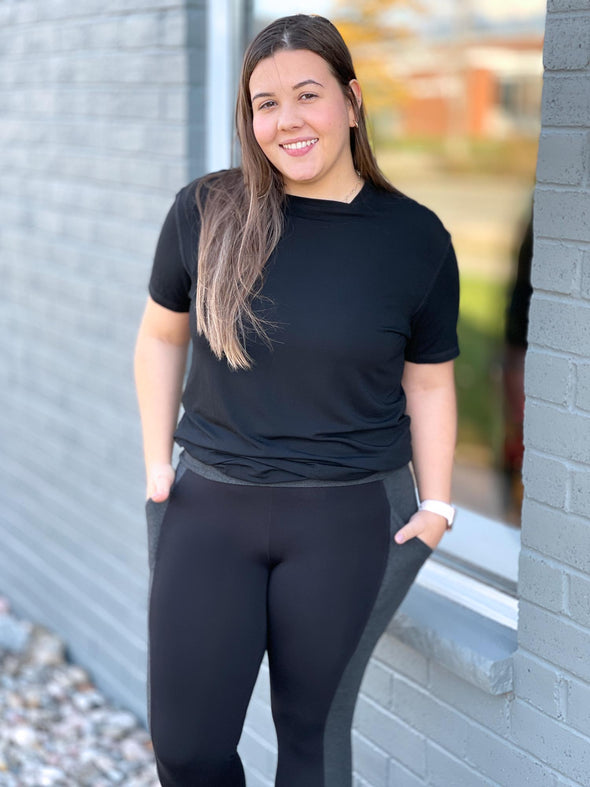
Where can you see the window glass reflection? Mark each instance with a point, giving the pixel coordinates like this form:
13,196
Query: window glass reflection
453,92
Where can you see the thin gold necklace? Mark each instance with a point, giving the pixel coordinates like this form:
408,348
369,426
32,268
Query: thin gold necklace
351,193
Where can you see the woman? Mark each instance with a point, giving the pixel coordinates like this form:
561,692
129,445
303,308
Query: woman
322,305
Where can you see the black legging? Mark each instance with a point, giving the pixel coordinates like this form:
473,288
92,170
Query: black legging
310,574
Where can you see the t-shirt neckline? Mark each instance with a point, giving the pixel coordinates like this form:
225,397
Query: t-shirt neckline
327,205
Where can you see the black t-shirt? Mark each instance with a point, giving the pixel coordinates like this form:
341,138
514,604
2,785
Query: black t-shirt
355,289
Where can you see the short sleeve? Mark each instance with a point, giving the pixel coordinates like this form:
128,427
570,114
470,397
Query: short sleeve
433,337
170,281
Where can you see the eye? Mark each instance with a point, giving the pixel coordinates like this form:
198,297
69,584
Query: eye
267,104
308,96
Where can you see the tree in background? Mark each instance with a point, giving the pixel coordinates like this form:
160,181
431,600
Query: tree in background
369,29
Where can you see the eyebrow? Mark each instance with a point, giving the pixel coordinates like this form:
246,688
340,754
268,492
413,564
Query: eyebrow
295,87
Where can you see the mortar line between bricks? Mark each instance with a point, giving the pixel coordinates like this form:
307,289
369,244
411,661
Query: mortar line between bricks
266,744
91,120
551,296
550,133
257,772
118,188
551,509
554,183
465,763
566,595
570,464
573,355
565,780
112,154
101,153
565,72
75,56
559,617
389,712
556,408
562,73
566,127
371,743
405,768
560,188
585,521
564,13
85,179
577,242
552,562
560,673
71,242
388,667
553,352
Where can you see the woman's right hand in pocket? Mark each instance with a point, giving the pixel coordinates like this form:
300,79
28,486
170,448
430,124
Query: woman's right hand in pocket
159,482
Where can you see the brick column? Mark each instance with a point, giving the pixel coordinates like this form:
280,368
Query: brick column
550,716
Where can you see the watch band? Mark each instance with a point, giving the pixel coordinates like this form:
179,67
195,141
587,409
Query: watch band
438,507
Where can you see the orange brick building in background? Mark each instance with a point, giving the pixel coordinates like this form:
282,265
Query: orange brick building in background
479,87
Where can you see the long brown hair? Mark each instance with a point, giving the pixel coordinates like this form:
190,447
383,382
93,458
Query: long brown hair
242,209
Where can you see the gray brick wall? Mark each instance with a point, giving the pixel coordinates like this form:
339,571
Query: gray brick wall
97,108
552,676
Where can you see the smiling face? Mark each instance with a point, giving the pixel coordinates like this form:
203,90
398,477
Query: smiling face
302,121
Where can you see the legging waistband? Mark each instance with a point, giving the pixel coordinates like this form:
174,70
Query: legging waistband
214,474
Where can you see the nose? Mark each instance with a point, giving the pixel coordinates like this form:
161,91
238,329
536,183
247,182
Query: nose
289,117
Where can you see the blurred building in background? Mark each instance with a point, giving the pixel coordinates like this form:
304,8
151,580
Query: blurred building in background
486,87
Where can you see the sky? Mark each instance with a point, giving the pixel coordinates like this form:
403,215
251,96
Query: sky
492,11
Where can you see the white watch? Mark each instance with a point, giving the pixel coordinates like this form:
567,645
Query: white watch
438,507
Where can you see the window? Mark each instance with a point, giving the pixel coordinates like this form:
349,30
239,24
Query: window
454,109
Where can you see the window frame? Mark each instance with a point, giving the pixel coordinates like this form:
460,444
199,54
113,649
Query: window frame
227,28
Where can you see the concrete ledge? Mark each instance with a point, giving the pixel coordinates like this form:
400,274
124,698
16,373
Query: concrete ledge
473,647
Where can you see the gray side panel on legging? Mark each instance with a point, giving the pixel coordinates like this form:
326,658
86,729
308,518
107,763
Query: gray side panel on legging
403,563
154,514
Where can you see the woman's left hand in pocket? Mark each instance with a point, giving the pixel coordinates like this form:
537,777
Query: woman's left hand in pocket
426,525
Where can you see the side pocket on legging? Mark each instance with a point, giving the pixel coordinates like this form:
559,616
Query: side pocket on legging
405,560
154,514
403,504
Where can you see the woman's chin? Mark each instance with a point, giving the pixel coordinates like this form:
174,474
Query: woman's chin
300,179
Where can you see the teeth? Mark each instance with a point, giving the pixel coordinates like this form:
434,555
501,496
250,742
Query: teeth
298,145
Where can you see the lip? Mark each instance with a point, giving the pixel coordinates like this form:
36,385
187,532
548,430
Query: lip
299,151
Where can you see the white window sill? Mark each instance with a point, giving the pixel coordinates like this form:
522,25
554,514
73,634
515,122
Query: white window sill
444,578
469,644
483,548
462,610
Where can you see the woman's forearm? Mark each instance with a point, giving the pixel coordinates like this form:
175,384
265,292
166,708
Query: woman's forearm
159,371
432,407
